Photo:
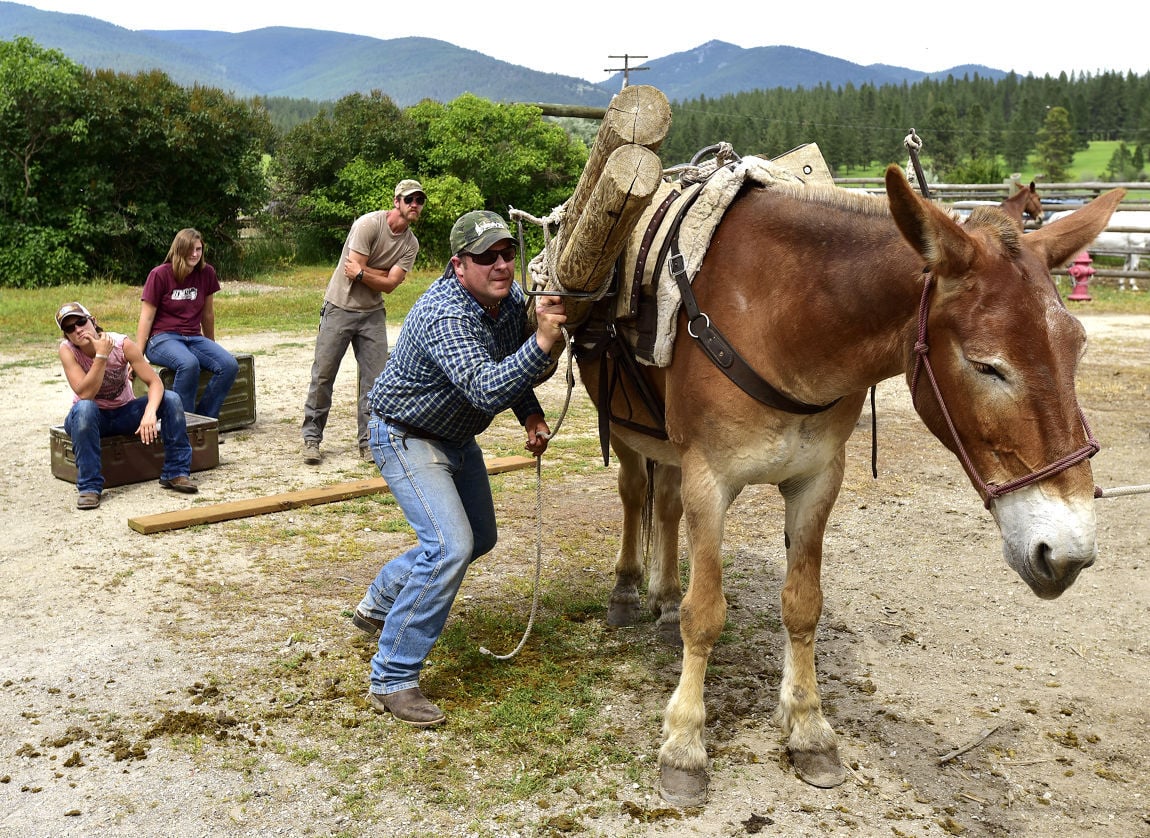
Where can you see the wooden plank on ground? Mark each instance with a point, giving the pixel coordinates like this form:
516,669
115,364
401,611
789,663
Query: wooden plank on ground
162,521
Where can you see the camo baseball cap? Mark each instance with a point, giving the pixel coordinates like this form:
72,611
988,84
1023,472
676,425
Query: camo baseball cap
477,231
408,187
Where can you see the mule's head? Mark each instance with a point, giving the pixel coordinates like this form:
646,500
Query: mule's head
1004,351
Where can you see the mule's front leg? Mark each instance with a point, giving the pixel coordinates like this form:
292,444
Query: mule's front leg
683,757
810,739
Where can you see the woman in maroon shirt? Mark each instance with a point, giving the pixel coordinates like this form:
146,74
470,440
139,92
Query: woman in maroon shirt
177,327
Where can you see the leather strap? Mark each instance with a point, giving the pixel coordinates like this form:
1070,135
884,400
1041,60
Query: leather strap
645,245
722,354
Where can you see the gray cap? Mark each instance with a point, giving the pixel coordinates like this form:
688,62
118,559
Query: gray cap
477,231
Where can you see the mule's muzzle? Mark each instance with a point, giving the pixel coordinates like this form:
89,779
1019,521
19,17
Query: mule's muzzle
1052,571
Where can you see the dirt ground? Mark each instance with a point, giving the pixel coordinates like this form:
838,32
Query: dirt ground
928,643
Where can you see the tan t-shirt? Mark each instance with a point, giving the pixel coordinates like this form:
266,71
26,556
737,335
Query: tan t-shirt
371,236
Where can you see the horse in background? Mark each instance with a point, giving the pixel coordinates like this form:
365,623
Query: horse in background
1024,204
861,288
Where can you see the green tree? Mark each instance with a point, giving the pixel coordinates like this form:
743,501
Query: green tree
99,170
40,126
514,156
942,143
369,127
161,157
1123,166
1056,144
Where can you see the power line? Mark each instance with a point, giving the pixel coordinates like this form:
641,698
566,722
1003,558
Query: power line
626,69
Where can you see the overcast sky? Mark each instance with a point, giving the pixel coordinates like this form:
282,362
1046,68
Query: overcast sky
579,39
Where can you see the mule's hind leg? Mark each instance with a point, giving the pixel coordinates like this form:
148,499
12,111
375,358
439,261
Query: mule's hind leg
683,757
810,739
623,608
664,587
652,509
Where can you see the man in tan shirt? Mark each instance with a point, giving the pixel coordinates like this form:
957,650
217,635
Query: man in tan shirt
379,251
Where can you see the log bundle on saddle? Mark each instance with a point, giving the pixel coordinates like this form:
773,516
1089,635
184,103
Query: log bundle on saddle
626,212
619,179
615,229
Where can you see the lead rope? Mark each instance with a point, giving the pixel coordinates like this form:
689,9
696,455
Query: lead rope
538,564
539,515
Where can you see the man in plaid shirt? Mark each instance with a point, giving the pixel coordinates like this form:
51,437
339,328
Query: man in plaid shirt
461,359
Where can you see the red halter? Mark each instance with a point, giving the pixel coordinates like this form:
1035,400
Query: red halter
990,491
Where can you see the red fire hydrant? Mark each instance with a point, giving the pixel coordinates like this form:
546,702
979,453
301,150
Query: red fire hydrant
1080,272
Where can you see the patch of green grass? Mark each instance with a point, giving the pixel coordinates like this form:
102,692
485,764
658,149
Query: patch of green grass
287,300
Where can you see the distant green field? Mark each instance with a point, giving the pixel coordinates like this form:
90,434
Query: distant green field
1088,165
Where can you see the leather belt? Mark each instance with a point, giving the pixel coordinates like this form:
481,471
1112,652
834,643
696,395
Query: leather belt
413,430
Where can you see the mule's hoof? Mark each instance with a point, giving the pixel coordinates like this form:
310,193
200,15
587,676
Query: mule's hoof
623,613
819,768
670,634
682,789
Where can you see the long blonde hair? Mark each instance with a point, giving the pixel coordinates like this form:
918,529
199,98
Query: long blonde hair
181,249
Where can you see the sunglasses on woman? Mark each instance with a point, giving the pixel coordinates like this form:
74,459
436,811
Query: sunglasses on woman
73,325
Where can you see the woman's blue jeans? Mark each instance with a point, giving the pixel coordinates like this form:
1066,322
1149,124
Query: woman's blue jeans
86,424
444,492
186,356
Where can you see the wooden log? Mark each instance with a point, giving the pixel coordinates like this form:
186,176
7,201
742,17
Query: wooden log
638,115
160,522
578,111
624,190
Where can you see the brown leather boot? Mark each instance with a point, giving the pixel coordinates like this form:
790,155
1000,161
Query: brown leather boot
409,706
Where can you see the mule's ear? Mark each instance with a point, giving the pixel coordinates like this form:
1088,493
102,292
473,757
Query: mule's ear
938,238
1058,241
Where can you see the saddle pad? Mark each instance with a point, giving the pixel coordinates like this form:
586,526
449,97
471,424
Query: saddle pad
694,238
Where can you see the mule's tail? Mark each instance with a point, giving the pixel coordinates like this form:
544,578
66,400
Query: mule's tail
646,525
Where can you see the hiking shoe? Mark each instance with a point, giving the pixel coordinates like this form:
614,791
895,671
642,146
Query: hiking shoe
408,706
88,500
366,624
311,453
182,484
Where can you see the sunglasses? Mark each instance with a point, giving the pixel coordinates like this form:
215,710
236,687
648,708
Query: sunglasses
417,198
488,257
73,325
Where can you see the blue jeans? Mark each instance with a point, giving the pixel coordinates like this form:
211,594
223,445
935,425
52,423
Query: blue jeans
186,356
87,423
444,492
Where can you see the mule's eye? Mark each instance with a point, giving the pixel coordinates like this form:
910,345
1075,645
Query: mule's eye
988,369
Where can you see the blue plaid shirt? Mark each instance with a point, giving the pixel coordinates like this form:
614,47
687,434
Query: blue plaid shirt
454,368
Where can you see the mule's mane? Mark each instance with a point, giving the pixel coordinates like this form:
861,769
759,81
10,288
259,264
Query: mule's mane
834,197
991,219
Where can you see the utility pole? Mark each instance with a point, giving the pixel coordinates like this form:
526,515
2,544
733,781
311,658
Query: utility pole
626,69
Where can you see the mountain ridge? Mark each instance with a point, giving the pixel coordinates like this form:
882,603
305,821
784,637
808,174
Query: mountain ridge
320,65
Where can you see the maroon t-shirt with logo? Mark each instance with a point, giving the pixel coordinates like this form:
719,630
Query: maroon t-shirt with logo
179,306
